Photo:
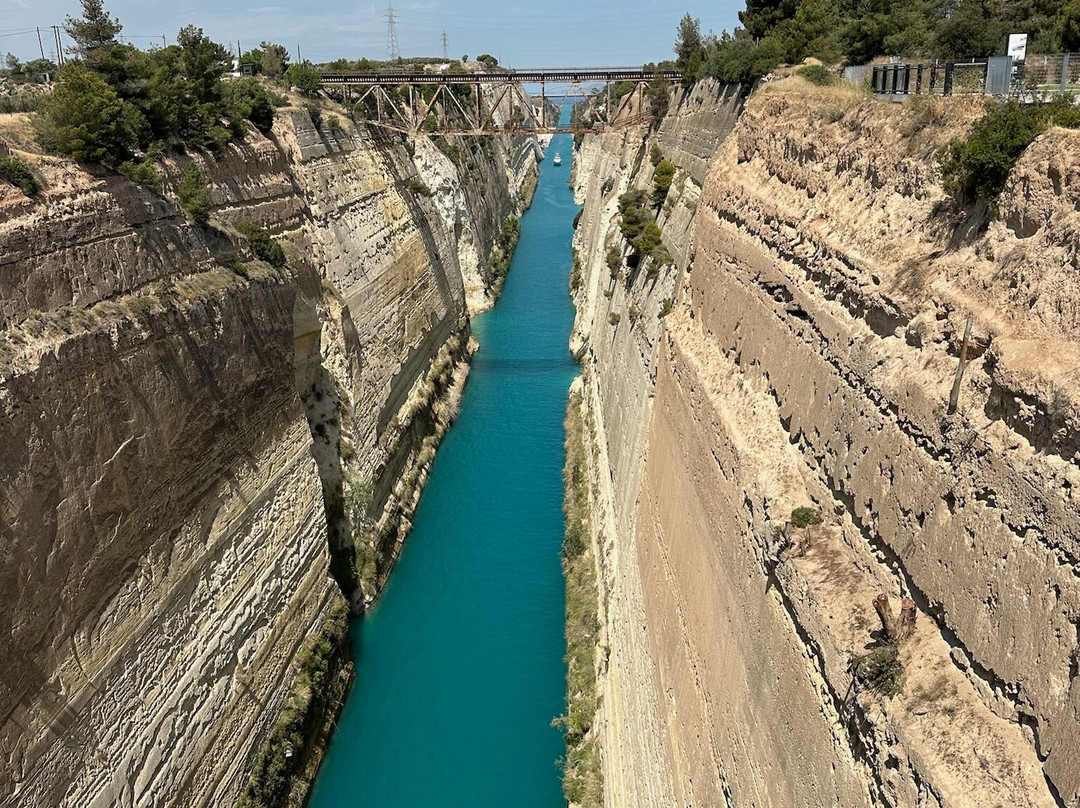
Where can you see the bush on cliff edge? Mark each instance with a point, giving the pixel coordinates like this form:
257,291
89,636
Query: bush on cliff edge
977,167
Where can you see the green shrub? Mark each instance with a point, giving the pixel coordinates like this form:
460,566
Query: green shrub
16,172
881,669
805,518
283,755
314,111
22,102
575,273
978,166
637,224
817,74
614,318
194,194
665,306
505,244
449,149
418,186
263,244
582,776
246,98
614,261
633,214
144,172
655,154
662,177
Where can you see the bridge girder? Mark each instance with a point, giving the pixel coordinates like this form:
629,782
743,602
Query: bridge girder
382,98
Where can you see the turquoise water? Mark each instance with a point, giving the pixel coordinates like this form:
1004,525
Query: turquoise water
459,667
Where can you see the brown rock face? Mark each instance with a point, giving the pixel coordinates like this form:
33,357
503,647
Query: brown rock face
178,439
807,359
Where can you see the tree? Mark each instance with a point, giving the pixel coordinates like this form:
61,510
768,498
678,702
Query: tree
487,60
254,58
203,62
1069,26
662,176
84,119
93,30
657,93
738,59
689,48
968,33
761,16
274,59
246,98
304,77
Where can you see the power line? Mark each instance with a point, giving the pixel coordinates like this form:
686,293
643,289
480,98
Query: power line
392,51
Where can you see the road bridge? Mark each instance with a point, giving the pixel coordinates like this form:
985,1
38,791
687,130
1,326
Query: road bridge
495,101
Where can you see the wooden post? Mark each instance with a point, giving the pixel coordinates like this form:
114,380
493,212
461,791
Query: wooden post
907,619
954,396
884,611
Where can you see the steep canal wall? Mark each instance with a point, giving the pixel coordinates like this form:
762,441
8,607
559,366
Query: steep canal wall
460,668
195,433
798,351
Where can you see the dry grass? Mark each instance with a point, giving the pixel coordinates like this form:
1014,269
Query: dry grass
939,696
17,132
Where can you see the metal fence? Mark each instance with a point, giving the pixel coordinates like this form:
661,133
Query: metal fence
1052,74
939,78
1038,76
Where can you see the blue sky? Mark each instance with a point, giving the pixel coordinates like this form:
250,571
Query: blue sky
554,34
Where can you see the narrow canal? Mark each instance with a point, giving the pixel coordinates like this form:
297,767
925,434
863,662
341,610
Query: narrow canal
459,667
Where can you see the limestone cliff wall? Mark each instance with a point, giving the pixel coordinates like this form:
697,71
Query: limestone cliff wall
181,428
807,360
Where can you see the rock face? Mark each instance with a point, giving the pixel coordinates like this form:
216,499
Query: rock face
182,428
819,302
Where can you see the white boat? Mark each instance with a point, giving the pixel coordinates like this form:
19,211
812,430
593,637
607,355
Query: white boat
556,160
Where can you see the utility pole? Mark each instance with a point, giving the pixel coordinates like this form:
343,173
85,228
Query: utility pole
59,45
445,47
42,47
392,51
298,61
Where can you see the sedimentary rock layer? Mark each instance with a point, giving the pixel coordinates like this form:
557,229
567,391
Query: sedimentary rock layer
179,421
807,360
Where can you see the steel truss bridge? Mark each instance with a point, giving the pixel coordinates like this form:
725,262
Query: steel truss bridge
434,102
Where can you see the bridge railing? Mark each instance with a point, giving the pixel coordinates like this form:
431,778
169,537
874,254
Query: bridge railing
530,76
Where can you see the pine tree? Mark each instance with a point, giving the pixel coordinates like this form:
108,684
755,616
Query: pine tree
761,16
94,29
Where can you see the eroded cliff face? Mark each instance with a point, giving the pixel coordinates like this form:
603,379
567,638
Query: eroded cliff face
807,359
190,436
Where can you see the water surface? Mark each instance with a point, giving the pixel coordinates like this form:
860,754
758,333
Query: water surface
459,667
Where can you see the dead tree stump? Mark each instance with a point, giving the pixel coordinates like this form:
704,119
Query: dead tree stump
896,629
884,612
907,619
